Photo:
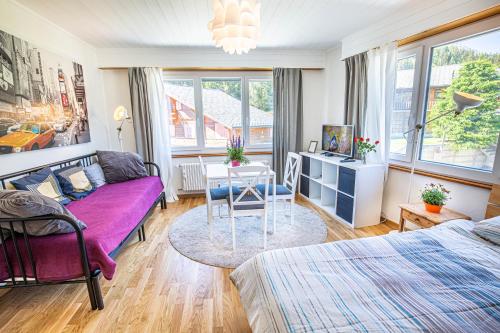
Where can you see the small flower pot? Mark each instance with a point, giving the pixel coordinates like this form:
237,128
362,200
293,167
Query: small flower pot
432,208
235,163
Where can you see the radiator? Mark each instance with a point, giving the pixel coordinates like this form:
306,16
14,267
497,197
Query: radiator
192,178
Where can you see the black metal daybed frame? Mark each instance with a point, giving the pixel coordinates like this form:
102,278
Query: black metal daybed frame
91,278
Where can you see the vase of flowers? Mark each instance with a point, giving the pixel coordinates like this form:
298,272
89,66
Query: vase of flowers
364,146
235,150
434,197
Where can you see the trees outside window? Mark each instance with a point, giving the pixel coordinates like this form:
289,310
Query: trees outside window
470,139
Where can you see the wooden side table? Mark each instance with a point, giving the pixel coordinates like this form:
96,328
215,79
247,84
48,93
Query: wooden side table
417,214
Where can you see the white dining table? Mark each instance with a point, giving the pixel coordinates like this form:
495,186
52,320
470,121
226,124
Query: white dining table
218,171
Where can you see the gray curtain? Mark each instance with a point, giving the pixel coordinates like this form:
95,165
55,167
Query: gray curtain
141,113
356,91
287,122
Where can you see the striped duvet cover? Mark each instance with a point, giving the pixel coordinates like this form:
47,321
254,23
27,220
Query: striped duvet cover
443,279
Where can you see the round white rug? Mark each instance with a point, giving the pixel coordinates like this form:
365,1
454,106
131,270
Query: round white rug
189,235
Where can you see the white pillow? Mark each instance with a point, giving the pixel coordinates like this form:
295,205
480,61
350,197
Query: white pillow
95,175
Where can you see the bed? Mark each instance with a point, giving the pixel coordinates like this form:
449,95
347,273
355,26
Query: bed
443,279
114,214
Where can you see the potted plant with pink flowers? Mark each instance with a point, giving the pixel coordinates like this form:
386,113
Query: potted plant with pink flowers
235,150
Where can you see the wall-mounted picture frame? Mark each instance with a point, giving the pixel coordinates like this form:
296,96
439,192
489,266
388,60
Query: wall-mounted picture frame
42,98
312,146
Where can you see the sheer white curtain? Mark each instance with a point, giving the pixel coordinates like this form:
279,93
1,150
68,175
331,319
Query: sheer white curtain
381,77
160,120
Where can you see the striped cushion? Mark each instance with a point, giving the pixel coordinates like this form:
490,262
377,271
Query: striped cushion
489,229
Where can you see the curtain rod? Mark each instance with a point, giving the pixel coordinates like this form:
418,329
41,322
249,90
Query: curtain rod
208,69
472,18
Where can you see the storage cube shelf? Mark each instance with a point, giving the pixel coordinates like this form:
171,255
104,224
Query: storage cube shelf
349,192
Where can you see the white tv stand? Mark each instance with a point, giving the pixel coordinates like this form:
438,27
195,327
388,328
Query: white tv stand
350,192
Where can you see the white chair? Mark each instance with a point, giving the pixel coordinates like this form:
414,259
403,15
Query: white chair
287,190
215,196
249,202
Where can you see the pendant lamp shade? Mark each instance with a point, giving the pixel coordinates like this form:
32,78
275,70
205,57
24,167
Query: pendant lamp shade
236,25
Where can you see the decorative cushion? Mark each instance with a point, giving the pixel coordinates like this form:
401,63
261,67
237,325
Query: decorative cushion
247,197
119,166
43,182
489,229
29,204
74,181
280,189
221,193
95,175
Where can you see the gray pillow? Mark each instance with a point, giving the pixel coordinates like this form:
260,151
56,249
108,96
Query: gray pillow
95,175
28,204
119,166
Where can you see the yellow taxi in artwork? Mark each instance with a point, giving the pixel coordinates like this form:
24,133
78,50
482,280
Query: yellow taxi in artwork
30,136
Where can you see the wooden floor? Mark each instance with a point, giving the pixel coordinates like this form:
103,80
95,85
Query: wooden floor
155,289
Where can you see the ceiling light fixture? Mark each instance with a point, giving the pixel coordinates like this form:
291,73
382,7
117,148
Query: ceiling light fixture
236,25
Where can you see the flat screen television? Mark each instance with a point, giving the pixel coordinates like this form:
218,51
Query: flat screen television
338,139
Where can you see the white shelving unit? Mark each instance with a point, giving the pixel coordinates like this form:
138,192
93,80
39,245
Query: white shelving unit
349,192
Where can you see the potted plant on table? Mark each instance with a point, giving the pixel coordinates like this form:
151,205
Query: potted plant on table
434,197
235,150
363,147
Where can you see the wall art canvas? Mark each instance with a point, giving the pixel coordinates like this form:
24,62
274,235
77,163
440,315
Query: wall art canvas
42,98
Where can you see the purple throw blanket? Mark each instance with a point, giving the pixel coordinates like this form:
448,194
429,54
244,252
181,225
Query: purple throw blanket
111,213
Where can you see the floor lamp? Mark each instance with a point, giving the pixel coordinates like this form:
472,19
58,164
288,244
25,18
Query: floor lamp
120,114
462,101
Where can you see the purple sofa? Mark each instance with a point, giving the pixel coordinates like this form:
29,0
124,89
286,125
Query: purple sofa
113,214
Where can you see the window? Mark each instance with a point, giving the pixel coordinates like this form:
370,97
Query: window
181,104
207,109
470,140
428,73
222,114
261,111
404,103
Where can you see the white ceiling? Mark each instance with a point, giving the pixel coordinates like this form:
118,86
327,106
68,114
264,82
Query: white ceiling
152,23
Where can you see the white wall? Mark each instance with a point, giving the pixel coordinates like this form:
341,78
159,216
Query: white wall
335,87
208,57
424,15
22,22
466,199
117,92
313,101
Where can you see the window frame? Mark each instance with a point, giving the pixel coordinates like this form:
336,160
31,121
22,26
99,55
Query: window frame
196,106
427,44
412,121
197,76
